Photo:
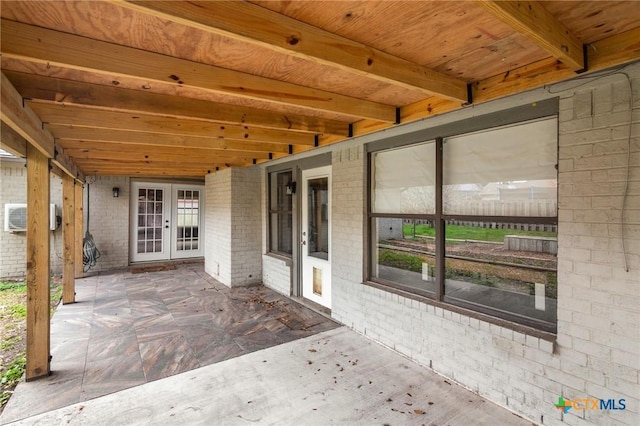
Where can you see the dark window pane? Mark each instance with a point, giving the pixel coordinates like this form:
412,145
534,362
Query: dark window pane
280,217
318,228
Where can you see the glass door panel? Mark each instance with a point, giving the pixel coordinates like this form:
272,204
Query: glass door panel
188,220
152,222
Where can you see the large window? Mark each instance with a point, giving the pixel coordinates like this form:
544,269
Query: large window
281,213
471,220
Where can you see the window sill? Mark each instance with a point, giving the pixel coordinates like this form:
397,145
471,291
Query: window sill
287,260
520,328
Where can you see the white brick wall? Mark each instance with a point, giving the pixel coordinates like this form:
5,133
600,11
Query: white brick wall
108,220
276,274
217,248
596,353
13,246
233,221
246,222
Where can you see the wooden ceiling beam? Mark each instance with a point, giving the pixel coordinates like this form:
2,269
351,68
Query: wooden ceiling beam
157,143
79,154
24,121
137,171
37,87
616,50
90,136
11,141
23,41
60,114
531,19
256,25
185,161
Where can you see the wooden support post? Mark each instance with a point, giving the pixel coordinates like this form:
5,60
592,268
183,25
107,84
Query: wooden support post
38,273
79,200
69,237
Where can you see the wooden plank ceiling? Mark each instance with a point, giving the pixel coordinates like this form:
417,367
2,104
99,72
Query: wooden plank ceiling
182,89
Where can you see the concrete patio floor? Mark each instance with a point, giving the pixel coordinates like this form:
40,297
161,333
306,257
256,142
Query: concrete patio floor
212,355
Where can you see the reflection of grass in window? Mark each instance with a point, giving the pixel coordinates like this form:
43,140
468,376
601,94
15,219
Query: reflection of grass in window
400,260
459,232
486,274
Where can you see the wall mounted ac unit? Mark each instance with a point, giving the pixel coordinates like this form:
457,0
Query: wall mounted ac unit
15,217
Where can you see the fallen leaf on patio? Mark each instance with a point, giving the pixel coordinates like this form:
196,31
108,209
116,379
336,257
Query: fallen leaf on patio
419,412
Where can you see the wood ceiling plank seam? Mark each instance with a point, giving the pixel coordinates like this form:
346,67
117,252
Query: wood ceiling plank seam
68,50
39,88
257,25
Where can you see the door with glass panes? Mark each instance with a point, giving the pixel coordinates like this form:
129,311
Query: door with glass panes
166,221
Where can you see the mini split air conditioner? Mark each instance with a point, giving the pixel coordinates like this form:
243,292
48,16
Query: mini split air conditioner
15,217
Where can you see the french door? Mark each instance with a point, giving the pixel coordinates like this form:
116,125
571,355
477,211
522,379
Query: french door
316,235
166,221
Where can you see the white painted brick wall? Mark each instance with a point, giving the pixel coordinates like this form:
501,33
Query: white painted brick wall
276,274
233,249
596,353
13,246
217,257
246,226
108,220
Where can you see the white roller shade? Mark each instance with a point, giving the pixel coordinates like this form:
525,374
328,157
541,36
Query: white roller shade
404,180
508,171
515,153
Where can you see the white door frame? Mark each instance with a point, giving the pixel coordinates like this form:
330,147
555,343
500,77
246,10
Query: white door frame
165,246
316,271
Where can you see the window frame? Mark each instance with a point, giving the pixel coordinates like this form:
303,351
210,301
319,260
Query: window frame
548,109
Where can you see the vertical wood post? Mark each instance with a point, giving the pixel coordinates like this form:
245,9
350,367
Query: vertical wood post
69,237
38,272
79,200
